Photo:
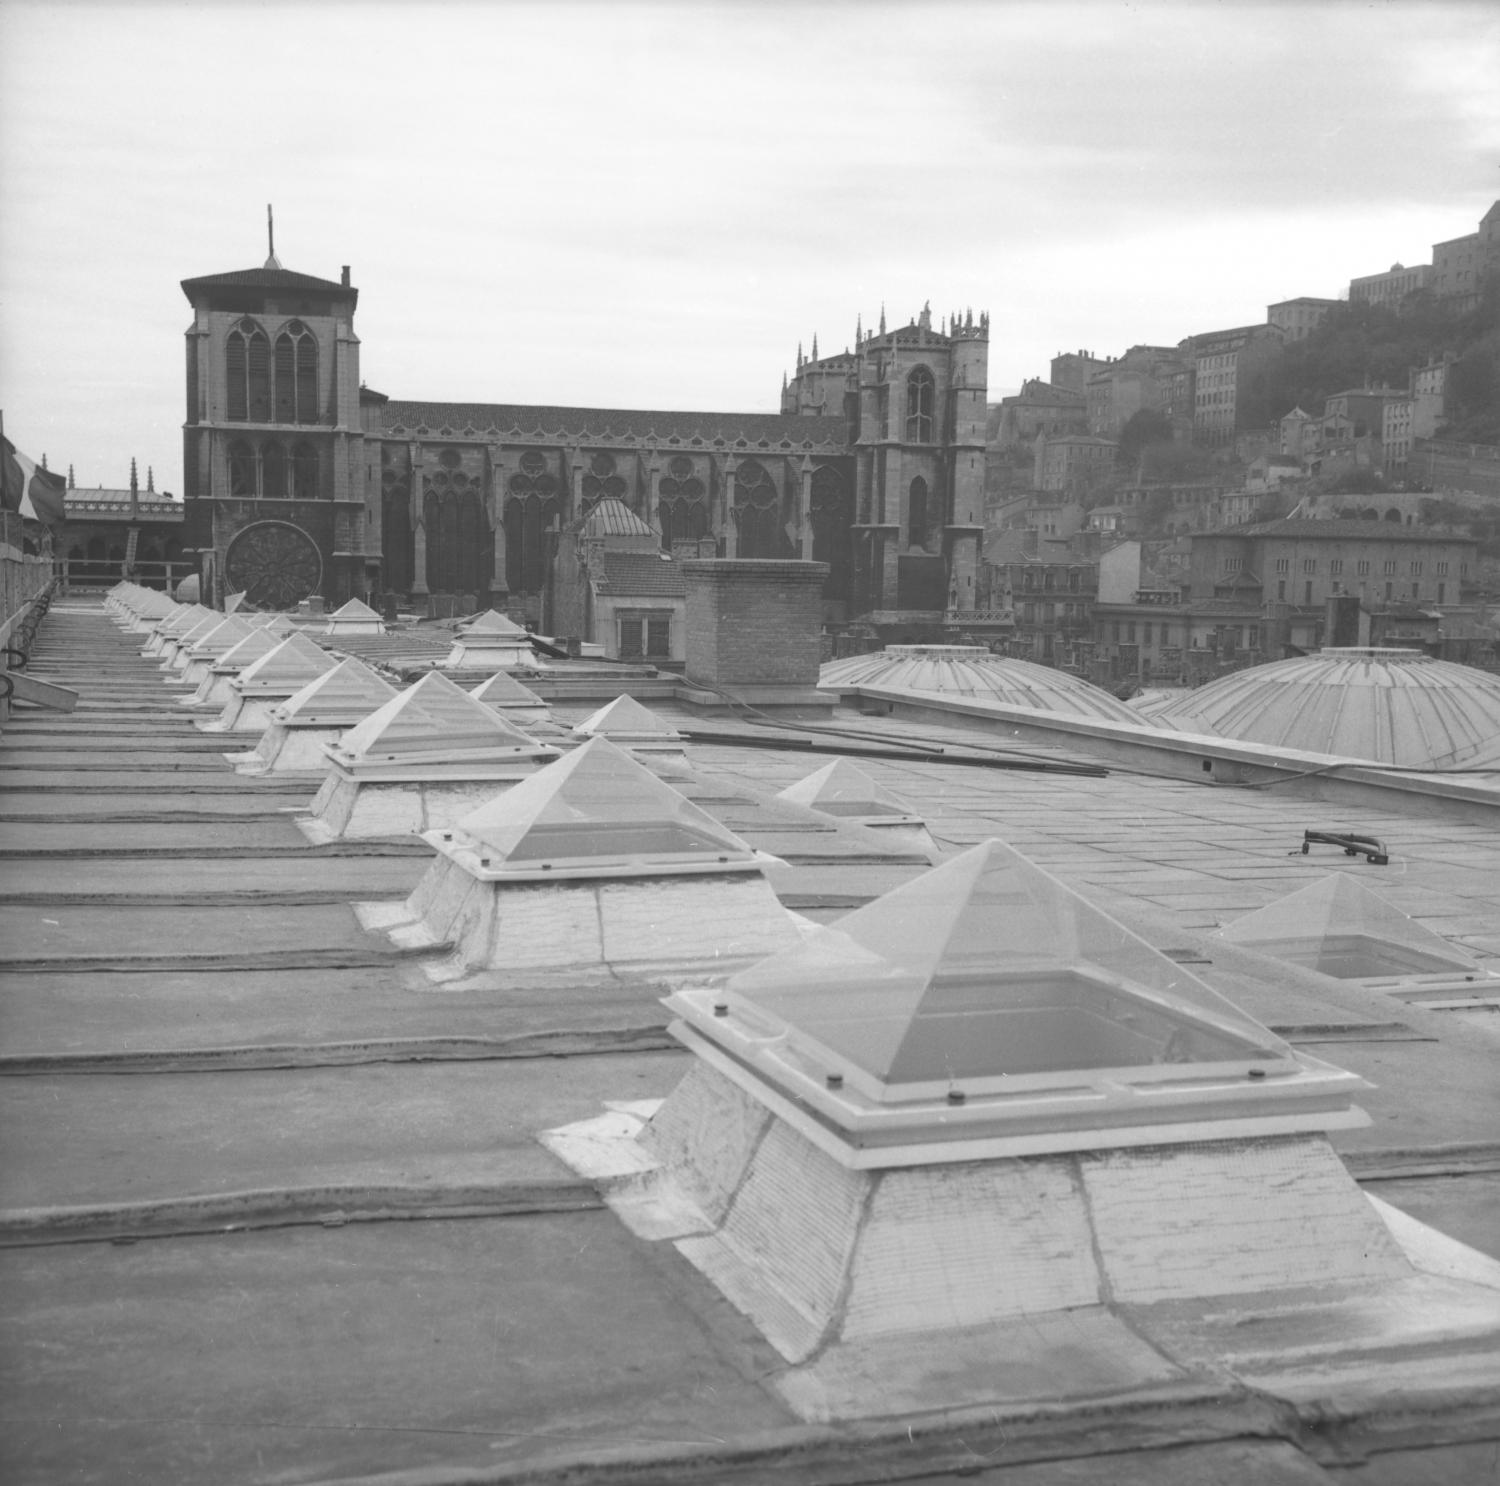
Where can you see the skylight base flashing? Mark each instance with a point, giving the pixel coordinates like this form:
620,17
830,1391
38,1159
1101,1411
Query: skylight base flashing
1066,1114
484,865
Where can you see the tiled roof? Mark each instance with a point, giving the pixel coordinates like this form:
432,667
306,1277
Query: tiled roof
760,432
262,278
1364,531
639,575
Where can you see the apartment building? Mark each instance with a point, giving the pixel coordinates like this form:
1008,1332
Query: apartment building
1229,379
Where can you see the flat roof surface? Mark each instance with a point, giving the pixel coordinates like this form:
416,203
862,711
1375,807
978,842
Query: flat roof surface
274,1207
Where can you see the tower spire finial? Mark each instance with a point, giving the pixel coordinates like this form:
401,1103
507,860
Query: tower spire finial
272,261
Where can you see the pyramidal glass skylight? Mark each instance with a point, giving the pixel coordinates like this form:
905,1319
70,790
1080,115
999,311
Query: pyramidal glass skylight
594,809
502,690
354,609
1342,928
987,968
493,623
200,629
257,643
338,698
185,619
842,788
223,636
430,717
624,718
293,662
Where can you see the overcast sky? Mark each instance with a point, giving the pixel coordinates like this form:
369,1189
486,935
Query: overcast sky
648,206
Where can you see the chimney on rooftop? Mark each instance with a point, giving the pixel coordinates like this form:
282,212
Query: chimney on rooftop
344,276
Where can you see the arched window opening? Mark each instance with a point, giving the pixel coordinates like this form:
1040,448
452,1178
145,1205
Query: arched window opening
258,377
307,377
273,470
530,509
919,399
682,507
757,513
305,472
234,362
916,510
601,482
242,479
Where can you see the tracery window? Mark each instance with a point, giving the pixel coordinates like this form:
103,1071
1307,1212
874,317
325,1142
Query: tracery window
757,512
530,509
262,388
272,470
682,506
601,482
304,472
919,399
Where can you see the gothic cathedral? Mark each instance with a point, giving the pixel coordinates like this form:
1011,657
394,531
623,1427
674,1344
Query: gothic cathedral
299,480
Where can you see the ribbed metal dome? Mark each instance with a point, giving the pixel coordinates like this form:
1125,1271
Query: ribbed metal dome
1398,707
972,671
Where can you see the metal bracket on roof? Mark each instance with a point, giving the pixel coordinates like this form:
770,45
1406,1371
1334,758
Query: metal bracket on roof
1373,849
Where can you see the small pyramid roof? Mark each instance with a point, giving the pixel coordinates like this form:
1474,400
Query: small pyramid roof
989,966
624,718
257,643
354,609
1339,907
338,698
150,604
223,636
188,619
293,662
493,623
200,629
598,807
842,788
434,716
502,690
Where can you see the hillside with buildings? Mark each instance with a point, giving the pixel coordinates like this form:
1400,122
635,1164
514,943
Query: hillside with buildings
1173,512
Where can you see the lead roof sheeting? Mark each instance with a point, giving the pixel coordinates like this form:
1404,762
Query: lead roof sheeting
1397,707
294,662
1335,907
430,716
597,804
968,969
972,672
350,691
844,787
624,717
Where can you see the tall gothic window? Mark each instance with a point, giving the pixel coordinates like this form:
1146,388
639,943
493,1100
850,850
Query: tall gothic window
247,356
242,472
919,396
601,482
916,513
272,470
682,507
530,509
757,512
267,387
304,472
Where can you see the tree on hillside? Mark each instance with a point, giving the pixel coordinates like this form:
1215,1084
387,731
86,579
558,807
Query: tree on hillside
1142,429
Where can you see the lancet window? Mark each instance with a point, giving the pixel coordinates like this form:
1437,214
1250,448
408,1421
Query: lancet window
919,400
266,388
531,507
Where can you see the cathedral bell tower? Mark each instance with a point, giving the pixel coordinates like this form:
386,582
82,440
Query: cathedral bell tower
273,459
